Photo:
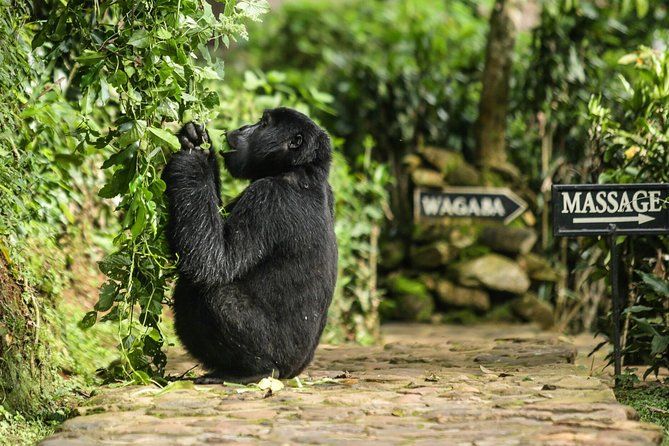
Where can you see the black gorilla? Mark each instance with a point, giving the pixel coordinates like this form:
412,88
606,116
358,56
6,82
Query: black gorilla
254,283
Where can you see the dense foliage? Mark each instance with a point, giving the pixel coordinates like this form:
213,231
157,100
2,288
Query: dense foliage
134,71
631,135
44,193
408,71
134,68
403,72
34,210
560,133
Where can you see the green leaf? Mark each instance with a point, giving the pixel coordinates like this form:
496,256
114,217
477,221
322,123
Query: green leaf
118,183
164,138
217,138
628,59
141,377
107,296
120,157
88,320
641,8
638,309
658,285
253,9
131,132
139,223
659,344
176,385
114,262
139,39
89,57
163,33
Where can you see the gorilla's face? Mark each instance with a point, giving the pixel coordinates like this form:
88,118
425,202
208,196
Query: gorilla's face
281,141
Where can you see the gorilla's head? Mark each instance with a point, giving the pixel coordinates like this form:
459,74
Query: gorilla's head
283,140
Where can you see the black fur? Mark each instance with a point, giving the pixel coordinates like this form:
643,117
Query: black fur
254,285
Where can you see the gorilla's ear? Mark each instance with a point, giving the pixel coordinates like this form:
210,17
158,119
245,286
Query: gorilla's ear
295,142
323,148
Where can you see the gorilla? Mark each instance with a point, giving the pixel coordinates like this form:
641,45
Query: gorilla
256,280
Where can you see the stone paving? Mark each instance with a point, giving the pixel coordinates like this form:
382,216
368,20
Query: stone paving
426,385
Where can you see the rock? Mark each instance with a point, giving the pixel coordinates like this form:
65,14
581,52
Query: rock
443,160
427,178
507,170
538,268
508,240
411,162
463,237
532,309
465,175
431,256
457,296
392,254
427,232
411,299
452,165
494,272
418,308
430,281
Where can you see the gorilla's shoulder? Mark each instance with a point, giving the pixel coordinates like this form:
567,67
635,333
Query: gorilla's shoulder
270,192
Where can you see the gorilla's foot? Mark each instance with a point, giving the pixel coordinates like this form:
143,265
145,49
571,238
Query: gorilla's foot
221,378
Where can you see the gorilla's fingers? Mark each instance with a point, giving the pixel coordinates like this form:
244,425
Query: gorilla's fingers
191,133
186,143
203,136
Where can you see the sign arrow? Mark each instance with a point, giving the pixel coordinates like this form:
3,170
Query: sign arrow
639,219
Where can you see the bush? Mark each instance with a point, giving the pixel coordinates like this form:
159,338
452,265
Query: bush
629,134
400,70
43,187
134,65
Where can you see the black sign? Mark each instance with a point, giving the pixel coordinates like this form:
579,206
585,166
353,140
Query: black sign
594,209
469,202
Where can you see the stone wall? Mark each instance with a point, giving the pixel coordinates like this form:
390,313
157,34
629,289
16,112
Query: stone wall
464,269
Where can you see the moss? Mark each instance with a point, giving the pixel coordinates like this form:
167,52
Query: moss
16,430
501,313
403,285
47,361
651,401
26,371
464,317
417,307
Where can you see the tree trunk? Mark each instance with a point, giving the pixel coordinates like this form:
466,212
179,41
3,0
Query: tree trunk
491,123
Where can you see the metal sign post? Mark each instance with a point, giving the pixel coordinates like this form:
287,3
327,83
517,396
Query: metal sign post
611,210
617,304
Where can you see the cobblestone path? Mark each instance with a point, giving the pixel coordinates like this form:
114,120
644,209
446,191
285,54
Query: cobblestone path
426,385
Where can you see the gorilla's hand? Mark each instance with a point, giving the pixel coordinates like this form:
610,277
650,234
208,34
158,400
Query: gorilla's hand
192,136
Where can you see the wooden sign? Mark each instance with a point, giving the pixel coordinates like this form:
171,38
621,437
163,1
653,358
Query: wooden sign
492,203
591,209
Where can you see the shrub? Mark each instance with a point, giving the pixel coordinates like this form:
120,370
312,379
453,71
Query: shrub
629,134
134,69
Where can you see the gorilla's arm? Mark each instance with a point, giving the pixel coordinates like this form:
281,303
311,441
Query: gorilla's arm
213,249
